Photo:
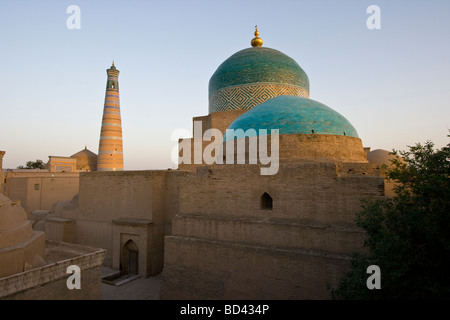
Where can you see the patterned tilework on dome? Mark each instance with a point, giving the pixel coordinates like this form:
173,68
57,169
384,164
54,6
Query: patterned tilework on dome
293,115
247,96
255,66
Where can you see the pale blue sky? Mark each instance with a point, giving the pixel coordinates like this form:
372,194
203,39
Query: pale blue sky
392,84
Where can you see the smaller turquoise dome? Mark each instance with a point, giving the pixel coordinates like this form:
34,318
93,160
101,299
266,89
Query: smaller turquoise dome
292,115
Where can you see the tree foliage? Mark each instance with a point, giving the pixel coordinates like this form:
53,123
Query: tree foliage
38,164
408,236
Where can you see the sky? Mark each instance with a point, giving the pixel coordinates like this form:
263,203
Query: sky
391,83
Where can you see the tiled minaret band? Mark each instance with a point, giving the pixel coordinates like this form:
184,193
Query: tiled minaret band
110,150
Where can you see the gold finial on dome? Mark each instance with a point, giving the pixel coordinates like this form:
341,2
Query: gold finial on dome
113,63
256,41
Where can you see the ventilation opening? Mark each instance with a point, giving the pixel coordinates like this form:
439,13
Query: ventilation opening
266,202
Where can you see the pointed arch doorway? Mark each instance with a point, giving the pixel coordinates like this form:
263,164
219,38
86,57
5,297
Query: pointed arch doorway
130,258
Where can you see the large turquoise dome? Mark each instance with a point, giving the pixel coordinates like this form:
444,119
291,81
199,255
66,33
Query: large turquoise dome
252,76
293,115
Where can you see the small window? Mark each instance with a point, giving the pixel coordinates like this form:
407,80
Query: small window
266,201
36,186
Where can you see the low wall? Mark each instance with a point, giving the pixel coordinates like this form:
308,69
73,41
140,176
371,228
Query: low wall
49,281
40,190
206,269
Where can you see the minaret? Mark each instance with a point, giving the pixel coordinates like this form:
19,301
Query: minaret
110,150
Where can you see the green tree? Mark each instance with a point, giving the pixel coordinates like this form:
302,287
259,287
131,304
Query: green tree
408,236
38,164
